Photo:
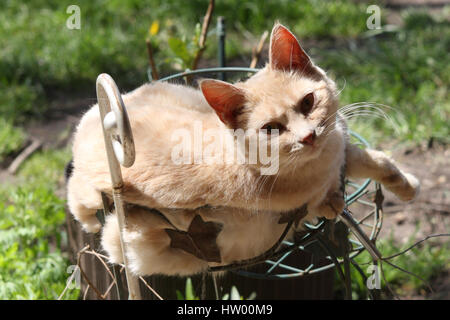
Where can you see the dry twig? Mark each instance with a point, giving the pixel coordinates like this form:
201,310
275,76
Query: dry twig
83,274
86,292
150,288
103,262
203,35
25,154
90,285
155,75
256,52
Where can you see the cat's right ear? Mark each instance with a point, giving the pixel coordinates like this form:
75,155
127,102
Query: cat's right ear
225,98
286,54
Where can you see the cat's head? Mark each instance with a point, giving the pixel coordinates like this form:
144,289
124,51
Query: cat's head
290,94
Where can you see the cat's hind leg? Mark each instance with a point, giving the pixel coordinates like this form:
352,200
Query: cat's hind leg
376,165
84,201
149,249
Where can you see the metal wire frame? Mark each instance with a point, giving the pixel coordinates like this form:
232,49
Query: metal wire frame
204,71
316,232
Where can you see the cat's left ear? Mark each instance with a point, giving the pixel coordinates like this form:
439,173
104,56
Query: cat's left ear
286,53
225,98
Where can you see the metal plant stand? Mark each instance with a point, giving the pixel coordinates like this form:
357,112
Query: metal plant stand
119,147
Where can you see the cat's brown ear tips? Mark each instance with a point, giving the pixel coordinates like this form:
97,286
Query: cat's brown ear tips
224,98
286,53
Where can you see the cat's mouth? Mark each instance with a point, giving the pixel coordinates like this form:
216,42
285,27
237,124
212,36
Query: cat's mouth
300,148
312,141
310,150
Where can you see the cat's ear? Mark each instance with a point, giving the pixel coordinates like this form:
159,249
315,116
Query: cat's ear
225,98
286,53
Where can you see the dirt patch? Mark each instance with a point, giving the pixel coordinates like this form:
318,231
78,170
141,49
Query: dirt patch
429,213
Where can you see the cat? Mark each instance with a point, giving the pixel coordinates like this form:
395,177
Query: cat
290,103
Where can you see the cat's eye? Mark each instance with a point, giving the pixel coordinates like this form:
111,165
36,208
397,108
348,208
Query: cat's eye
273,126
307,104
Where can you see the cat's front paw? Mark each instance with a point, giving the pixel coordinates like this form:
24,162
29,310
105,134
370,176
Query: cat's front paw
411,188
404,185
331,207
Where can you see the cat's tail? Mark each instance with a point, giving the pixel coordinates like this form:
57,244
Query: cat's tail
68,169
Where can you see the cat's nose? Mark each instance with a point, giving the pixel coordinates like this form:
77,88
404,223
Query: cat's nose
309,139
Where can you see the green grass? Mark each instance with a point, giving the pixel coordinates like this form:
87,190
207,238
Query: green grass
11,138
407,70
19,101
189,293
428,261
39,51
32,265
39,54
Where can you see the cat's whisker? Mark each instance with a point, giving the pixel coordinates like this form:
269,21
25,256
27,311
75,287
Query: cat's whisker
365,104
377,113
364,108
359,113
364,112
360,109
339,92
367,114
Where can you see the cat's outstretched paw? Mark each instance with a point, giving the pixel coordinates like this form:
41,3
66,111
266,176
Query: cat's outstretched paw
404,185
411,188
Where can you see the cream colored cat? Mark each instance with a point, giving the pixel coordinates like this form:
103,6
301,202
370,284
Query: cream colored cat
291,95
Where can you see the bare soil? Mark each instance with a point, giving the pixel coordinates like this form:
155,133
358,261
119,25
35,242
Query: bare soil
429,213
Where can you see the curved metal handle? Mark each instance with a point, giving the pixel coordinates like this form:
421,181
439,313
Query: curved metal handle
119,147
115,120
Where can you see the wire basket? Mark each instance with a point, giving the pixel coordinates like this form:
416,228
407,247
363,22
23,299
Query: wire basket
327,243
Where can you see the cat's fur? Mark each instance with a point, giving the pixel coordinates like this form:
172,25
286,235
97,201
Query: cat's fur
239,197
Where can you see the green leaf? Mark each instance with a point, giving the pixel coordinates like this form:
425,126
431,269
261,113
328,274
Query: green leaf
252,296
180,49
179,295
189,292
235,294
